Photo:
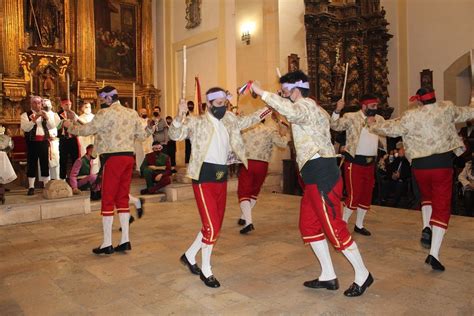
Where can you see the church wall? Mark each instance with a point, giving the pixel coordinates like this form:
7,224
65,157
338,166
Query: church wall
292,33
439,32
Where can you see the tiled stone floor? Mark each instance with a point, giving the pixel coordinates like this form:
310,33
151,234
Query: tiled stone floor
47,268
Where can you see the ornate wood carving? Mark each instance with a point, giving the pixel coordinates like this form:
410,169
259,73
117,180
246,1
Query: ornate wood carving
347,32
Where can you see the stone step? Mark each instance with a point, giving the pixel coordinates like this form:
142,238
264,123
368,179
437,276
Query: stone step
178,191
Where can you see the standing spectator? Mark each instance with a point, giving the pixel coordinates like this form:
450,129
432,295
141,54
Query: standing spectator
36,124
68,143
399,176
53,140
171,147
160,133
187,141
142,147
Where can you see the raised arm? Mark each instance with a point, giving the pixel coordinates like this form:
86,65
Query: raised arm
337,122
25,124
181,126
91,128
280,137
462,113
252,119
390,128
141,133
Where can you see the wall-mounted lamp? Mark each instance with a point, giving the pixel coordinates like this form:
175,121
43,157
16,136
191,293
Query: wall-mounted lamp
246,29
246,37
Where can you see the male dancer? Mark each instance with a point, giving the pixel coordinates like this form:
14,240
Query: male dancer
430,138
213,135
36,125
259,141
359,158
320,212
117,128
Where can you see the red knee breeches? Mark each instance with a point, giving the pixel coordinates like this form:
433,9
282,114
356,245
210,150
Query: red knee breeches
251,179
359,183
116,179
436,190
211,200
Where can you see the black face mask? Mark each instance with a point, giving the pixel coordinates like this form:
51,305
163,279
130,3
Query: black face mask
218,112
156,114
144,116
191,108
104,106
371,112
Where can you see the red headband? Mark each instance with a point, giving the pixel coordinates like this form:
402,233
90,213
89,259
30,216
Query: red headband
369,101
424,97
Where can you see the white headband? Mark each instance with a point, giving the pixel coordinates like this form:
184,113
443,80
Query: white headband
108,94
216,95
298,84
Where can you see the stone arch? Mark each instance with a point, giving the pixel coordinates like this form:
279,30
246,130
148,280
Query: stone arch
452,72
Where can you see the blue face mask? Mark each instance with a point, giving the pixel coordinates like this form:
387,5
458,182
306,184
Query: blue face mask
218,112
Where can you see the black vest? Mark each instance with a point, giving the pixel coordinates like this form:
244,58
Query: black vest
30,136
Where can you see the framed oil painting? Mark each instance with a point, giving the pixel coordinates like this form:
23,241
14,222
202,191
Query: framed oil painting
117,39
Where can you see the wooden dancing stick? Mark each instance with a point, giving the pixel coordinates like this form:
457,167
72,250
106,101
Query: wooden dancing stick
345,82
278,72
183,85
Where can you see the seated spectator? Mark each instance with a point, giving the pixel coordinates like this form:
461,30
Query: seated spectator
82,176
156,169
398,175
466,178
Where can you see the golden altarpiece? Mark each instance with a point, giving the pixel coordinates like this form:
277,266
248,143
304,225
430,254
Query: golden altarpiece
70,48
353,32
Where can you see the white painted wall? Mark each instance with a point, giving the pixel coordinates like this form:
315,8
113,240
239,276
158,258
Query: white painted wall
292,33
439,32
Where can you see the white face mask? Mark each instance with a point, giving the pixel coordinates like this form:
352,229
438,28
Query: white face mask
87,110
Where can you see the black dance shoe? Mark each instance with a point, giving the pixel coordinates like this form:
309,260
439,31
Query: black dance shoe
241,222
247,229
210,281
356,290
435,264
362,231
106,250
123,247
328,285
426,237
141,210
193,268
31,191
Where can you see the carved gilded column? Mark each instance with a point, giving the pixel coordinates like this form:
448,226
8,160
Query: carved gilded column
151,95
13,37
13,83
147,42
85,49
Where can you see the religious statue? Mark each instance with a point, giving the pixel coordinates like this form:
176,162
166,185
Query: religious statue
48,82
45,21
